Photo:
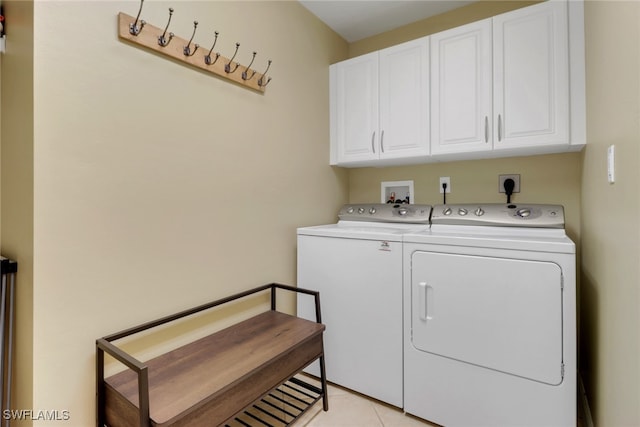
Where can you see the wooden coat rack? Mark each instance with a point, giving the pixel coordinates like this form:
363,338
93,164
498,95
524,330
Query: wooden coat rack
143,34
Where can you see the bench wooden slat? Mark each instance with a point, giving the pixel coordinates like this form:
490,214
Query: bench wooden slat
212,376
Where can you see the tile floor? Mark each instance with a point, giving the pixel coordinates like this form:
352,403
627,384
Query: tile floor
346,409
349,409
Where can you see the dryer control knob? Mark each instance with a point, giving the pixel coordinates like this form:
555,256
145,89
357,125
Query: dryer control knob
402,211
372,211
447,211
462,211
523,213
479,212
360,210
349,210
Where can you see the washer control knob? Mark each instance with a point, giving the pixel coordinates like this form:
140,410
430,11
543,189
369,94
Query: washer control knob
372,210
523,213
447,211
402,211
479,211
350,210
360,210
462,211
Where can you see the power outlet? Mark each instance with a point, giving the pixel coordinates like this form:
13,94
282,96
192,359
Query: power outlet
503,178
445,180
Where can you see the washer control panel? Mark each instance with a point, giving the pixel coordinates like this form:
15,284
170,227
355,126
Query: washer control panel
499,215
389,212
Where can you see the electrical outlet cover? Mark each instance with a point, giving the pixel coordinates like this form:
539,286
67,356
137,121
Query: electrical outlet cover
503,178
447,180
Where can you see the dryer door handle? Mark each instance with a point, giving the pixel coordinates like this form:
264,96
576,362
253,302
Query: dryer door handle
425,301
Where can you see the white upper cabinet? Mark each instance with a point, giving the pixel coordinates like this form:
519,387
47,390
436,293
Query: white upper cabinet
404,100
380,107
501,86
531,76
354,108
461,89
509,85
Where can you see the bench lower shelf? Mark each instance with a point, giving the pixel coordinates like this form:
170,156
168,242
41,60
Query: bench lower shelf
281,407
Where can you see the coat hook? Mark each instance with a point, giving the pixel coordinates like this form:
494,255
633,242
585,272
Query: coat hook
187,48
134,30
244,73
261,81
207,58
227,67
162,40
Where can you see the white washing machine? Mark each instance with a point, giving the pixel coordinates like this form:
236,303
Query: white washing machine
357,265
490,317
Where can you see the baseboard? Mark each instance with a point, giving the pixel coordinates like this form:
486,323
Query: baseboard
584,403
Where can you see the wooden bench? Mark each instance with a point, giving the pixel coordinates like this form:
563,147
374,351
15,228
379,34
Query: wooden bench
210,381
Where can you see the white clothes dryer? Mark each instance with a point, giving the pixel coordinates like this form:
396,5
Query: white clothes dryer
356,264
490,317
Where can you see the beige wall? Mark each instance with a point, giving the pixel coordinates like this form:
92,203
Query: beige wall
148,186
130,183
544,179
470,13
16,176
611,214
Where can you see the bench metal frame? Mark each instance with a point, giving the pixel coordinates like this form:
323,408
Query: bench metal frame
104,344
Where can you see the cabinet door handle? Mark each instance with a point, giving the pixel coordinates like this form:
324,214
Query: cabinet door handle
382,141
373,145
499,127
486,129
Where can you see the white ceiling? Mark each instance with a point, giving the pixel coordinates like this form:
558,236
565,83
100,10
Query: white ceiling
357,19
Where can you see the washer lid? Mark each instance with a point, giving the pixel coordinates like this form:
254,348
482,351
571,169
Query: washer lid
500,215
363,230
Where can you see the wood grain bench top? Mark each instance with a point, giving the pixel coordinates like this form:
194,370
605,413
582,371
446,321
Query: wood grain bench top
202,370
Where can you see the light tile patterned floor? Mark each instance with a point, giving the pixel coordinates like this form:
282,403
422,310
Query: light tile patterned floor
349,409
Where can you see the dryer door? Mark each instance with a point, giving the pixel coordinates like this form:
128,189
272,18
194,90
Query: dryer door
499,313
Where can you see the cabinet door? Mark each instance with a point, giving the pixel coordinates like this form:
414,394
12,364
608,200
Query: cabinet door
461,89
404,100
531,76
356,108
